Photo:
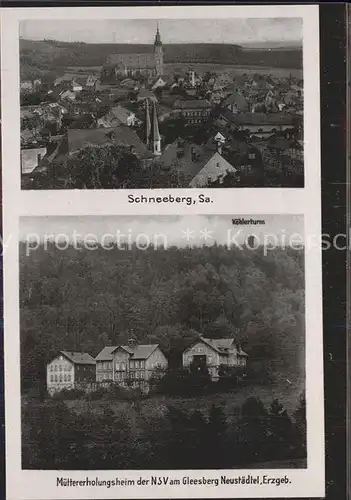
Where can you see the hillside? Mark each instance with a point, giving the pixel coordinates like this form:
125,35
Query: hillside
37,57
83,300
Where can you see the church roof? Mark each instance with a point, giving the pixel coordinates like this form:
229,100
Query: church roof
144,60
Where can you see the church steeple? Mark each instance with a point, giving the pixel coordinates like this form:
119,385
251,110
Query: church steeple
147,123
158,49
156,138
158,37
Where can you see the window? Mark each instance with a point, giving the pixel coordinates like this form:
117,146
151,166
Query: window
252,156
132,364
137,364
68,378
65,378
123,366
51,378
210,359
55,368
60,368
60,378
117,366
56,378
218,164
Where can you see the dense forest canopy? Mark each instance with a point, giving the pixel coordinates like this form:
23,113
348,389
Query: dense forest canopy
83,300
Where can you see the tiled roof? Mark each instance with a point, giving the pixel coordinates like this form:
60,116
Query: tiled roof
79,358
106,353
261,118
238,100
133,61
220,345
192,104
142,351
122,135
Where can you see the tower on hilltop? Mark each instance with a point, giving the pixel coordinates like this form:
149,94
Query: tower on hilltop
158,53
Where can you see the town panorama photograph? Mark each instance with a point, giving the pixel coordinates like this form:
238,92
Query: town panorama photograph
147,103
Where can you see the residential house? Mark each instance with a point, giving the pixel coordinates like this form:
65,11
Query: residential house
215,169
214,353
236,103
30,159
130,365
160,82
285,157
70,370
67,95
104,370
26,85
116,116
92,82
195,111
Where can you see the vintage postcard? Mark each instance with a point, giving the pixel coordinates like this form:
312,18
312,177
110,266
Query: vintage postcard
163,327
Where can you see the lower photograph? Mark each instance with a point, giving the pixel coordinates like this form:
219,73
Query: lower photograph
164,342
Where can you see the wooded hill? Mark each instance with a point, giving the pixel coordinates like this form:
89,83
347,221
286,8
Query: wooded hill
51,55
84,300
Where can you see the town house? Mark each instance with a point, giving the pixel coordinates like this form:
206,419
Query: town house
214,353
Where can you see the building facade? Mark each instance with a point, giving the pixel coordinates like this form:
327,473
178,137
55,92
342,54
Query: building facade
70,370
214,353
130,365
195,111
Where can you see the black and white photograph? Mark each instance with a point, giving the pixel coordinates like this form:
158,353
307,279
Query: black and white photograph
162,342
169,103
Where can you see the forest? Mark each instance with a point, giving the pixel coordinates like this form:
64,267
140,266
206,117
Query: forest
53,56
79,299
83,299
156,437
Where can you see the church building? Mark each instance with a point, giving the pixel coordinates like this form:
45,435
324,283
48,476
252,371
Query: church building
147,63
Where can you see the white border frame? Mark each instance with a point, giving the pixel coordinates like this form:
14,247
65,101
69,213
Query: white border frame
35,485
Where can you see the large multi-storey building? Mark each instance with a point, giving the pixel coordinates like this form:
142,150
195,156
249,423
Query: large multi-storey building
130,365
70,370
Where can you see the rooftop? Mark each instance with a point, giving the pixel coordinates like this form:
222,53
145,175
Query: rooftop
79,358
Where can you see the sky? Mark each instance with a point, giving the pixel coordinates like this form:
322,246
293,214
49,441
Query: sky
234,31
162,230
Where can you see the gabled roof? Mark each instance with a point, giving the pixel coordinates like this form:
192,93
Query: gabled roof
106,353
142,351
79,358
220,345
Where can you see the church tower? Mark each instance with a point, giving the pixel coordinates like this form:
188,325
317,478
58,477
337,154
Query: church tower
158,53
156,138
